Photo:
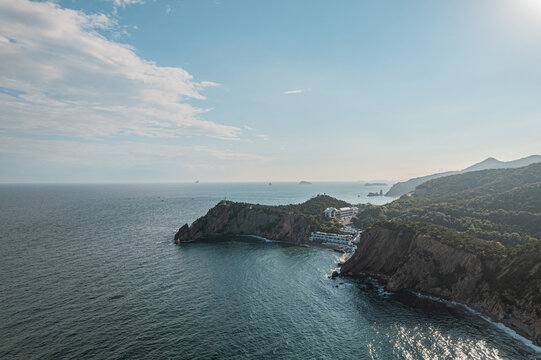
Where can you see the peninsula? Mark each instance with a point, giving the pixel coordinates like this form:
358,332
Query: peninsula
288,223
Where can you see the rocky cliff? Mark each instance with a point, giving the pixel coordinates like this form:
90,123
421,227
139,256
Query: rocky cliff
506,289
229,218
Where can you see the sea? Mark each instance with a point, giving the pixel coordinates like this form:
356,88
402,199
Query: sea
90,271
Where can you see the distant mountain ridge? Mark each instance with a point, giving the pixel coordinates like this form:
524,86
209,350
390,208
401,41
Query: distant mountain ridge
405,187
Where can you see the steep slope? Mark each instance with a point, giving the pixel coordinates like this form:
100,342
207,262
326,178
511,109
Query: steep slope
473,238
508,289
288,223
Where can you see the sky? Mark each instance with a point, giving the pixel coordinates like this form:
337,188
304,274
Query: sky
222,90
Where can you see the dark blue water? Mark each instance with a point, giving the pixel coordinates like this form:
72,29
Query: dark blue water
90,271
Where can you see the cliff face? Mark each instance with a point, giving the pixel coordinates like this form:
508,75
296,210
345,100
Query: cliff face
234,219
508,290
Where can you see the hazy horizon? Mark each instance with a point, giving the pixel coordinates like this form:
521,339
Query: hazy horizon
214,181
140,91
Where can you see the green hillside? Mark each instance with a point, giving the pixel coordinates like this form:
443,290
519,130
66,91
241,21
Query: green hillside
501,205
312,209
404,187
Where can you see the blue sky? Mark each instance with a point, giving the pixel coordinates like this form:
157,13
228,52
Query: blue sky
127,90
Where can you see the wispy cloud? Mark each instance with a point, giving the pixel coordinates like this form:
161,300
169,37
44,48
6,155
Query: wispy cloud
248,127
298,91
124,3
127,153
264,137
70,80
168,9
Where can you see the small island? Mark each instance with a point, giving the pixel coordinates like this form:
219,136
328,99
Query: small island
380,193
375,184
305,182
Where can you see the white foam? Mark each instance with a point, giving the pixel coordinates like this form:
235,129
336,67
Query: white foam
499,325
381,288
262,238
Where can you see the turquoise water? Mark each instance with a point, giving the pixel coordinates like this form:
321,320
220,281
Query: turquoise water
90,271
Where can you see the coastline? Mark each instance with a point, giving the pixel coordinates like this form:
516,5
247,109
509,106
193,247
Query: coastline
267,240
382,279
395,254
514,333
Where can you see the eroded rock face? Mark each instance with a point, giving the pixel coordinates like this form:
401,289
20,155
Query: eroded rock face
508,290
226,219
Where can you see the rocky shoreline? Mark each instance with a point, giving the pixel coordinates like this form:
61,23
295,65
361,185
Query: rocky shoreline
229,218
506,290
497,288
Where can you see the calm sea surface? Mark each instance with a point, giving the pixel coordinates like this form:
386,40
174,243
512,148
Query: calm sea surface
90,271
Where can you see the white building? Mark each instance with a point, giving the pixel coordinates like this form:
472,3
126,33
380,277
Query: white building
342,212
330,212
328,238
348,211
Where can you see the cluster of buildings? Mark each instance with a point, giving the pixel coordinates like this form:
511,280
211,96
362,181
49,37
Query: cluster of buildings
346,242
342,212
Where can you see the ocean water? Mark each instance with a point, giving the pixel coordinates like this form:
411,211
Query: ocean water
91,272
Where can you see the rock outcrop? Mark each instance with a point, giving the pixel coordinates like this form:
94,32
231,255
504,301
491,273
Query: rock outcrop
229,218
507,290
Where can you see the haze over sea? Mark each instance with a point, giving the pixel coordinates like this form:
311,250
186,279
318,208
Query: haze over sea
90,271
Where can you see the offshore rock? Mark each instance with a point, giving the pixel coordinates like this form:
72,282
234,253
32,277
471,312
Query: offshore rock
507,290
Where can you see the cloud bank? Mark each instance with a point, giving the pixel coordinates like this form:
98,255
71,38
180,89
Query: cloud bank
59,75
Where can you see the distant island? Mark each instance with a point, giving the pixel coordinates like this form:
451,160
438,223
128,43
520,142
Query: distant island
305,182
375,184
473,238
380,193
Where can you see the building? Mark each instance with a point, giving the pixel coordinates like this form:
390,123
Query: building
348,211
328,238
330,212
342,212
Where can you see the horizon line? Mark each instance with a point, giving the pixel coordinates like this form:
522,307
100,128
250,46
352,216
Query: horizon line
191,182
